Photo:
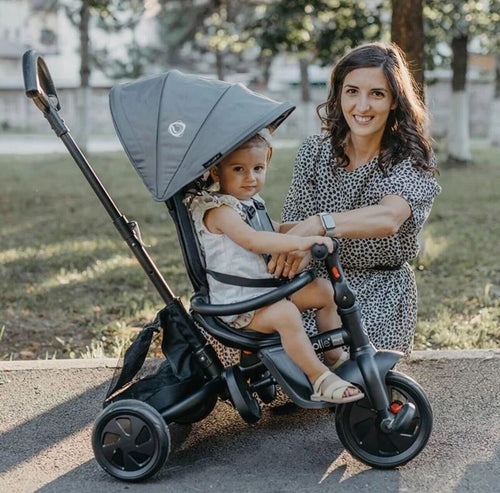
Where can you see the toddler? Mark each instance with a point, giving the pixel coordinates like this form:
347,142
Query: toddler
231,247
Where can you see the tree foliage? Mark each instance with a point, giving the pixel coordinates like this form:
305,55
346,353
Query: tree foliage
320,29
111,16
449,19
456,23
314,30
217,27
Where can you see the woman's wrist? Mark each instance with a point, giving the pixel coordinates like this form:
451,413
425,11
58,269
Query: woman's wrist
316,225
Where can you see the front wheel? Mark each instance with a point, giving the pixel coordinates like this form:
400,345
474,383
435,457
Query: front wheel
358,428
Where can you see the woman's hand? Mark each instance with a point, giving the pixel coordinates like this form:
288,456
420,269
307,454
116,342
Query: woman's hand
288,264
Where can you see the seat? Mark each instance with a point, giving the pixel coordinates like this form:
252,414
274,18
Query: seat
206,314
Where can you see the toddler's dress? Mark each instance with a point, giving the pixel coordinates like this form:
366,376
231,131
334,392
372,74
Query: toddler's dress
223,255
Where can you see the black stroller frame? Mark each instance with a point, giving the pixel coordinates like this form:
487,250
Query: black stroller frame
388,428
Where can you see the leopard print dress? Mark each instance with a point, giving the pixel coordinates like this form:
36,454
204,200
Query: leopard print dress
387,298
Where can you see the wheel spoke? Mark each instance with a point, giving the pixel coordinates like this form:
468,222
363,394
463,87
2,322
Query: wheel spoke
109,450
146,448
366,433
130,463
386,446
136,427
115,427
400,441
361,413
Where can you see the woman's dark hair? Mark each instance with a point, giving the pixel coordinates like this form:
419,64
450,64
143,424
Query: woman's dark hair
404,134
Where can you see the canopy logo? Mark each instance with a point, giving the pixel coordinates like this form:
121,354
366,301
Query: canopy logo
177,128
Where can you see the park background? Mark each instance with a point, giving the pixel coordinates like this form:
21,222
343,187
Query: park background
69,286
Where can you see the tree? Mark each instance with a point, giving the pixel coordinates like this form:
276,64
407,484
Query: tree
456,22
109,15
319,30
407,31
217,27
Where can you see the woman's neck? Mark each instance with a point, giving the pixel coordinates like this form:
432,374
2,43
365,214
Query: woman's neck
360,151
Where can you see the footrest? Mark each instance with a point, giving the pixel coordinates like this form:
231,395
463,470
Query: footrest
290,377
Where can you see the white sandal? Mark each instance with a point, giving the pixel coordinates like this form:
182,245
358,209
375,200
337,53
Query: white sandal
342,359
334,391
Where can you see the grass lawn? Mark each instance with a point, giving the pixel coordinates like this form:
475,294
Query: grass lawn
70,287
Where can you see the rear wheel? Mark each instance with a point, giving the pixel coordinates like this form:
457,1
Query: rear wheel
358,426
131,440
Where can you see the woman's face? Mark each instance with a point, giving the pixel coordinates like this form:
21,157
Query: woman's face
366,101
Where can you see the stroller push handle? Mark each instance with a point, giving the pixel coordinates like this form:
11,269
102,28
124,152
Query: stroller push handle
38,82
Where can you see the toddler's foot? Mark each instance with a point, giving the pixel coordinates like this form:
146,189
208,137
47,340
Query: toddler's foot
332,366
329,387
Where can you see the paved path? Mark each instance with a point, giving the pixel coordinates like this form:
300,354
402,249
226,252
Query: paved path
46,417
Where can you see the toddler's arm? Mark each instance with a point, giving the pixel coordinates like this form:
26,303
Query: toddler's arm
225,220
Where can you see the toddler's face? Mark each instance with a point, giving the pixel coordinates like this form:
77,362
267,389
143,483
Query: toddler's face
242,174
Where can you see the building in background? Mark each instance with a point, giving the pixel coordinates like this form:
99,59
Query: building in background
42,25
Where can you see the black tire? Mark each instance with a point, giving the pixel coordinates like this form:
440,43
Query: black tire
131,440
201,412
358,431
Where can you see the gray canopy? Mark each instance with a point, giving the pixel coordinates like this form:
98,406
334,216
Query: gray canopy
175,126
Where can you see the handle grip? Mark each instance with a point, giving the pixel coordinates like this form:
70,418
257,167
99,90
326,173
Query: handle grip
319,252
38,83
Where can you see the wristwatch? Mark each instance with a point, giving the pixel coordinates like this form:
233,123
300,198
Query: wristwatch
328,223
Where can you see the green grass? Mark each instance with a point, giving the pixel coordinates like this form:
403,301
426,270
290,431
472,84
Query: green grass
70,287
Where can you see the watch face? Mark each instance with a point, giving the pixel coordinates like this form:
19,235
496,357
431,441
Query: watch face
328,221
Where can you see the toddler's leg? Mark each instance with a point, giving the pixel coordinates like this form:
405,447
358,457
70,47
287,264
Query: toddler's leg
284,317
319,294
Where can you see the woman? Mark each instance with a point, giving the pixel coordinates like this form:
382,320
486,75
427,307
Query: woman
369,181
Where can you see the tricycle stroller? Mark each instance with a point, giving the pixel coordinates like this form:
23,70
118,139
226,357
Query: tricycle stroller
174,127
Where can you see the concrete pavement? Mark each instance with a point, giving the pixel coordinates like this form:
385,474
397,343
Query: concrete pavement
47,410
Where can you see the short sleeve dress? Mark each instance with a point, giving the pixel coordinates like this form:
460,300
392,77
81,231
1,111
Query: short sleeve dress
387,298
225,256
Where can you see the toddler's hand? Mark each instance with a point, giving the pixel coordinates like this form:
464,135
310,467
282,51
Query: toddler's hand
321,240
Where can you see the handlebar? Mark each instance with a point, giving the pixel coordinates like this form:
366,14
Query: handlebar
320,252
38,82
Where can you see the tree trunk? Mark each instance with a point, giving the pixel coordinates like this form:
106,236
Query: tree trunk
459,135
219,62
407,31
495,114
266,62
84,92
304,79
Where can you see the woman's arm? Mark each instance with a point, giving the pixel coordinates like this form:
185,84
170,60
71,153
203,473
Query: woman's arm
374,221
225,220
286,227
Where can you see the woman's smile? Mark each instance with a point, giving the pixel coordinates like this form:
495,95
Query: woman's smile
363,120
